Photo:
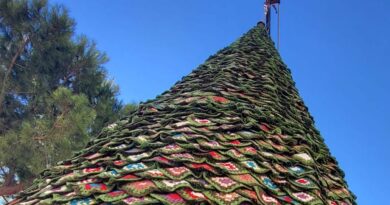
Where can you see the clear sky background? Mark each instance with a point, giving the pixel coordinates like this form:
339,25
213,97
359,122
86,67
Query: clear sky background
338,51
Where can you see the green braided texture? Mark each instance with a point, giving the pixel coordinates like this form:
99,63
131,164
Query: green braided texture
234,131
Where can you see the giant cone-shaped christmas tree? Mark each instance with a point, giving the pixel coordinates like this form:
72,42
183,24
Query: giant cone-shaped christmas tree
234,131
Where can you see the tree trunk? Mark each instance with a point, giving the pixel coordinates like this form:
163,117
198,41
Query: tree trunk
11,190
9,178
10,185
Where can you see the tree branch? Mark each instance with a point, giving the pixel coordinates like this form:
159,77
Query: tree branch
5,199
2,170
9,69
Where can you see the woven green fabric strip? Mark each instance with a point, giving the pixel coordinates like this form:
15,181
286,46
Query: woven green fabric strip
234,131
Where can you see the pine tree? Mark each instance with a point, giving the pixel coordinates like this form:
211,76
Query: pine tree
43,64
42,141
40,52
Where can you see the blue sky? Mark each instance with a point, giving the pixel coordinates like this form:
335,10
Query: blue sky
338,52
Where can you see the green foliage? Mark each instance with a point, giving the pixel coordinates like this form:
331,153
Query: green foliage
39,52
127,109
54,91
42,141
